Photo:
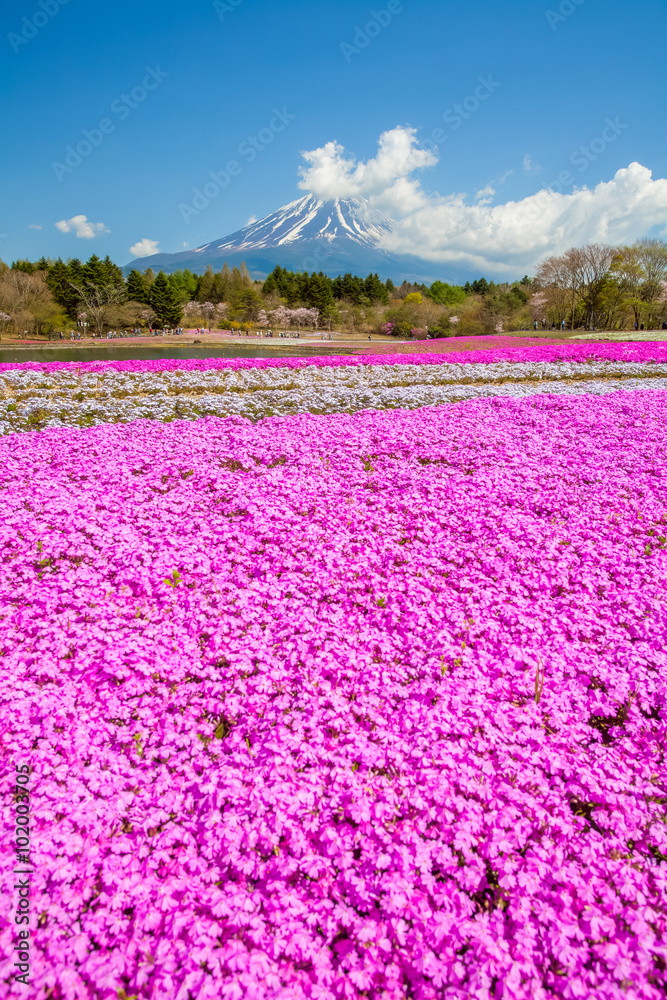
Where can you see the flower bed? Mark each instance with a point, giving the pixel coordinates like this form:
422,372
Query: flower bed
72,397
640,352
327,707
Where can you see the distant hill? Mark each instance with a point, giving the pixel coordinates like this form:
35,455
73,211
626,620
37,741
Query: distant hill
309,235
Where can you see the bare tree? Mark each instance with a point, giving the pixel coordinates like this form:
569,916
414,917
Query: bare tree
148,316
628,272
559,280
98,297
28,300
593,265
652,258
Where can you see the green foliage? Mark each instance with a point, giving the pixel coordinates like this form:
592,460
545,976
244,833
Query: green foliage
319,291
24,265
478,287
137,287
164,301
59,280
446,295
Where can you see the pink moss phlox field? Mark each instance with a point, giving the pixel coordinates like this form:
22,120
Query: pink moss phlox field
640,352
330,707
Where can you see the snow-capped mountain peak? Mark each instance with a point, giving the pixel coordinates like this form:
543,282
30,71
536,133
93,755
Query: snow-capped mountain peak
309,219
333,236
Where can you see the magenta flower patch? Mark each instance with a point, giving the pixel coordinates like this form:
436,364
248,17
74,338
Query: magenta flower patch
646,351
366,705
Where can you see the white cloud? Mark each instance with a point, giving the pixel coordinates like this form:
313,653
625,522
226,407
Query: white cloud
252,220
530,165
33,226
80,225
485,195
507,238
384,179
145,248
495,239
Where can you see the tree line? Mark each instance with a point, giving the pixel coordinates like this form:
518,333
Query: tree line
598,285
603,286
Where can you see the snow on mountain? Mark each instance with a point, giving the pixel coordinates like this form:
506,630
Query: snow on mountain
307,235
310,219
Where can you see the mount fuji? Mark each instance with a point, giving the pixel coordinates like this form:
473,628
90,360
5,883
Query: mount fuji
308,235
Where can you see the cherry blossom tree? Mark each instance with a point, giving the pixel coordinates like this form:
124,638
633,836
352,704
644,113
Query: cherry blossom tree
281,316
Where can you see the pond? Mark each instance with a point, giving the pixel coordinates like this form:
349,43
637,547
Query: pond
118,352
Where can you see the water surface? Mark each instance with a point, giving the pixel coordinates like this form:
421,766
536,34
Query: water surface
130,352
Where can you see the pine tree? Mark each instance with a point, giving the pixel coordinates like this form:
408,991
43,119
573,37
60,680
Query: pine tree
137,289
189,284
58,282
270,285
225,282
375,290
94,271
164,301
320,294
205,285
218,293
112,274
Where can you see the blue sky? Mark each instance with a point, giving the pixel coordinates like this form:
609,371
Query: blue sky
203,78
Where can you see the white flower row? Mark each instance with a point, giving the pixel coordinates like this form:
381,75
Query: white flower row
23,383
56,399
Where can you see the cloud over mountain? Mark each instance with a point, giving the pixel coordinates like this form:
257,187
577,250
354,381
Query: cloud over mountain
144,248
384,178
499,239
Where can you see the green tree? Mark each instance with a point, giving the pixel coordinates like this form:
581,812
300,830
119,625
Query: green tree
137,287
320,295
375,290
164,301
59,280
446,295
184,284
99,285
206,285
